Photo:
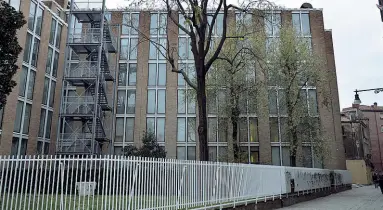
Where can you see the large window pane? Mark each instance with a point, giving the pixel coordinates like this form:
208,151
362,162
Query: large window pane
151,101
132,74
160,129
124,48
297,23
161,103
122,74
131,96
48,65
275,156
133,49
152,75
182,48
135,22
119,129
31,84
191,103
16,145
161,74
31,17
213,153
129,130
242,128
282,102
222,130
27,115
163,47
42,122
121,98
152,51
15,4
313,103
52,32
58,36
153,24
274,137
276,24
27,48
212,129
284,130
181,153
150,124
286,156
39,20
181,105
219,23
23,81
254,155
55,64
307,157
306,25
181,129
191,153
35,52
163,23
191,129
19,114
253,130
49,125
45,91
273,102
52,94
126,23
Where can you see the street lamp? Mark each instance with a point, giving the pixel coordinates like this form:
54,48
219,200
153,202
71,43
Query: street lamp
357,100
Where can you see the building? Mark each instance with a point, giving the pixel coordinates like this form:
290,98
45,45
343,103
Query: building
29,117
147,96
374,114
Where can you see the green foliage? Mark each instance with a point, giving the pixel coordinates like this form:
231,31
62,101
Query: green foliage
150,148
11,20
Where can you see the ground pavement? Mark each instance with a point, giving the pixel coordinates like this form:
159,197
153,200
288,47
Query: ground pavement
362,198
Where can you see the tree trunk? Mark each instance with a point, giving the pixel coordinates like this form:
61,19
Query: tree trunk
202,117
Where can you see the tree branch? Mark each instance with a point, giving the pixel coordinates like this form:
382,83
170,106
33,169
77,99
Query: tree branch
211,27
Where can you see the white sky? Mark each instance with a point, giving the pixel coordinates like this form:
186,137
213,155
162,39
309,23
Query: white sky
358,43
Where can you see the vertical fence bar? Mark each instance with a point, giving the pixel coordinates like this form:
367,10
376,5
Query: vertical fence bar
18,182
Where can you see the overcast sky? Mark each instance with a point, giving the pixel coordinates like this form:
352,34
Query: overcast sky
358,43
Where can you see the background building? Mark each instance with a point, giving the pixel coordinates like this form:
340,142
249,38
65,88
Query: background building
151,97
29,119
374,114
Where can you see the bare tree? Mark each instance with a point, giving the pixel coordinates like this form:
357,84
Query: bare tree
292,69
201,19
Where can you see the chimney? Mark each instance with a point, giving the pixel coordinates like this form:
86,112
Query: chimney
375,105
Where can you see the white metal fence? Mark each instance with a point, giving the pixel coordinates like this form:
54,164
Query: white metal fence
113,182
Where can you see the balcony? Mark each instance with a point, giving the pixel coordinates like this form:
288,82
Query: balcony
87,40
78,143
80,107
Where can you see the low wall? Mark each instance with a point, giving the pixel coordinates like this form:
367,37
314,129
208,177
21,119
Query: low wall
361,173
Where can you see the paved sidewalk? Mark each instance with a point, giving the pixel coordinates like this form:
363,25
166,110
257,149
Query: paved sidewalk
363,198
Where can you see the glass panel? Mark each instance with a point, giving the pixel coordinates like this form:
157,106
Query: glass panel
48,65
182,42
39,20
31,84
122,74
27,48
181,103
160,129
129,131
276,24
19,114
119,129
150,124
42,122
135,22
222,154
190,52
242,128
211,102
49,124
253,129
52,94
58,36
152,51
52,33
254,155
23,81
282,102
273,102
131,96
268,25
274,129
35,52
161,74
152,74
181,129
118,150
163,46
181,153
124,49
307,157
31,17
133,49
15,4
27,116
213,153
191,129
212,129
55,64
161,103
153,24
121,98
284,130
163,23
181,80
151,101
132,74
223,130
297,23
219,23
305,24
313,103
191,153
191,103
126,23
275,156
182,22
286,156
40,147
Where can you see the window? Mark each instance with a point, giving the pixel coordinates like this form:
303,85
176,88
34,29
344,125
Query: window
181,129
49,61
42,148
301,23
254,155
273,108
274,136
27,49
39,21
35,52
52,93
161,129
119,129
212,129
58,36
157,74
253,124
31,84
131,102
45,91
129,130
181,101
242,125
14,3
128,98
272,24
212,153
130,23
275,156
23,81
19,146
31,18
55,64
42,122
124,49
313,103
307,157
244,22
52,32
27,115
157,49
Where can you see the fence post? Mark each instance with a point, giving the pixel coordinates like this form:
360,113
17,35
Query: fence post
180,188
61,169
133,184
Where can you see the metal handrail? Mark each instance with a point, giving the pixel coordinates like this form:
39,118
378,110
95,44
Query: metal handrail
85,35
83,69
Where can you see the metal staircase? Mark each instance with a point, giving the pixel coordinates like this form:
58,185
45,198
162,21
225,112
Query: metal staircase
85,112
